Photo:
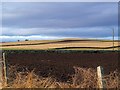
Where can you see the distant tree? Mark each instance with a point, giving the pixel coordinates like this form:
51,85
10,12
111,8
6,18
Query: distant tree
18,40
26,40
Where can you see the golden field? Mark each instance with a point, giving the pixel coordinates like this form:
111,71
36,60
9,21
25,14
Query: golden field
73,44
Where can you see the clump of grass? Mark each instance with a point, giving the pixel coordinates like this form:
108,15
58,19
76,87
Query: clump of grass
83,78
31,80
112,80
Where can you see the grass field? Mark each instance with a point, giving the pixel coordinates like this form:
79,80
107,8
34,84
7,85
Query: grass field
65,44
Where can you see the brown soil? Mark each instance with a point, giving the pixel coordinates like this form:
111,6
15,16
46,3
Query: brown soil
61,65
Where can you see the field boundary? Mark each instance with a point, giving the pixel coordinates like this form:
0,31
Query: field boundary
88,47
60,51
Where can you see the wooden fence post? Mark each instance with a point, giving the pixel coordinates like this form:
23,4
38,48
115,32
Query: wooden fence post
1,73
101,83
4,71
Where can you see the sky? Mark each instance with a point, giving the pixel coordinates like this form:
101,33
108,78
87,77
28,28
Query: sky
58,20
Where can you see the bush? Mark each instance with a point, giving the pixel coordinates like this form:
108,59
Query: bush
26,40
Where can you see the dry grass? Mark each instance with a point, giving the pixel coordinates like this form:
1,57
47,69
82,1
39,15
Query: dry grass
83,78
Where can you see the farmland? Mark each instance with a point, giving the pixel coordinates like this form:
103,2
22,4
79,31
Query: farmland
64,44
60,68
62,61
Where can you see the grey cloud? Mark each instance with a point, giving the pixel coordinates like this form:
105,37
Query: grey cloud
59,15
59,19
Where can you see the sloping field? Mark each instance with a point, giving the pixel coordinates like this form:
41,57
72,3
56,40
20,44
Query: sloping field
72,44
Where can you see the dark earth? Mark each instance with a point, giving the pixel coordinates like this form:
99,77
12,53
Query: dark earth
60,65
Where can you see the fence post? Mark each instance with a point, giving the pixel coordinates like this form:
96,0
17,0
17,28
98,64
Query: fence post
4,68
101,83
1,73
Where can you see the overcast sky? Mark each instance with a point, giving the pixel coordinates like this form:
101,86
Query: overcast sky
37,20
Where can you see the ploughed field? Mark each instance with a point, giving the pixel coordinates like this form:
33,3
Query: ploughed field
59,64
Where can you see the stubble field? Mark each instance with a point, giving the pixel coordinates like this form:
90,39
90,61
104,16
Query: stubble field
66,44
